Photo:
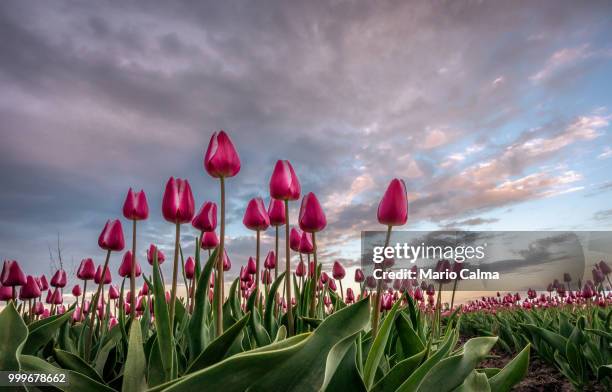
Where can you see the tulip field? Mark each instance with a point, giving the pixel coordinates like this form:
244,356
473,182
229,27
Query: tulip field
290,320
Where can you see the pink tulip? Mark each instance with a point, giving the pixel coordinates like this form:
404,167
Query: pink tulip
209,240
12,275
44,285
189,268
112,322
605,268
227,263
177,204
56,297
350,296
255,215
332,285
270,262
294,239
312,218
284,184
107,275
206,219
301,269
324,277
6,293
30,289
276,212
393,208
359,277
144,290
306,246
244,274
338,271
113,293
135,206
76,290
86,271
251,266
59,278
46,313
111,237
125,269
152,251
77,315
266,277
221,158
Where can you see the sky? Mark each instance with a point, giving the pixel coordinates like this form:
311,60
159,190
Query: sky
496,114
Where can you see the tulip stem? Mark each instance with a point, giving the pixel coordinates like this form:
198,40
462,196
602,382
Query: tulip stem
83,300
276,254
219,284
93,306
288,272
341,290
132,273
378,296
315,276
257,267
174,274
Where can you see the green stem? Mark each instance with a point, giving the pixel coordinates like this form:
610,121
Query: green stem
83,300
93,307
315,276
219,284
174,274
378,296
132,273
288,273
257,269
276,254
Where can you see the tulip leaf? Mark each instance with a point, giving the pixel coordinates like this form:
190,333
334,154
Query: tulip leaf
281,334
450,372
219,347
286,365
41,334
163,324
198,331
11,343
77,382
269,312
398,373
70,361
261,336
410,341
475,382
378,346
135,364
340,369
111,342
512,373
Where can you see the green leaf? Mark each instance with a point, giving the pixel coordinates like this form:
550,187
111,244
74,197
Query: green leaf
198,331
281,334
70,361
261,335
450,373
475,382
286,365
219,347
556,341
341,370
77,382
512,373
41,334
12,339
378,346
113,338
135,364
269,312
398,374
410,341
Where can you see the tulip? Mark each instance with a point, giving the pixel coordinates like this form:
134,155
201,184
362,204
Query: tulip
256,218
12,275
29,290
339,273
135,208
295,239
125,269
244,274
392,211
189,274
59,278
44,285
6,293
359,277
113,293
76,290
107,276
270,262
56,297
86,270
306,246
206,218
350,296
112,322
251,267
111,239
49,297
300,271
276,212
190,268
606,270
177,207
221,161
209,241
152,251
227,263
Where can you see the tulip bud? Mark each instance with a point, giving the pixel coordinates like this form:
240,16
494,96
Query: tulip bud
350,296
112,322
177,204
244,274
209,240
284,184
12,275
107,275
30,289
221,158
332,285
86,270
338,271
113,293
56,297
276,212
300,269
135,206
605,268
251,266
306,247
227,263
152,251
393,207
125,269
76,290
312,218
59,278
44,285
255,215
189,268
370,282
295,238
206,219
359,276
270,262
111,237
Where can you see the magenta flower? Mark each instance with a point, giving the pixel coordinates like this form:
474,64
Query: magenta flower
312,219
284,184
209,240
59,278
111,237
12,275
276,212
86,271
393,207
256,216
177,204
135,206
221,158
206,218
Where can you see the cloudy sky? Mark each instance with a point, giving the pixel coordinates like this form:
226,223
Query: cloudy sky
497,115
